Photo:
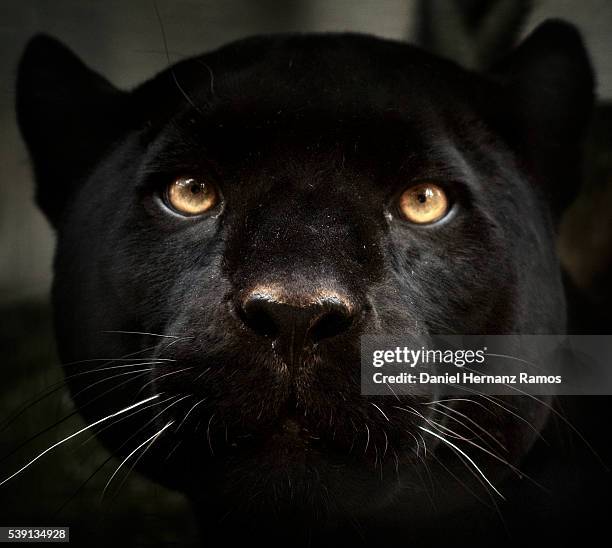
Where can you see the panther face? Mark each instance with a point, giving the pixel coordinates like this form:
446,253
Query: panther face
230,229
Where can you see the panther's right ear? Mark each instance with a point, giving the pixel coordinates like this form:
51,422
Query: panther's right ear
547,99
68,116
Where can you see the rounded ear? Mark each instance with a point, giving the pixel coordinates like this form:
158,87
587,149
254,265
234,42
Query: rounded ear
548,88
68,116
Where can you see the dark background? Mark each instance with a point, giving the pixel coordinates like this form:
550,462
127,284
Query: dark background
123,41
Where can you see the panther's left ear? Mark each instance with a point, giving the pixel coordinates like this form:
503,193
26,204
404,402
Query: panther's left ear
548,97
68,115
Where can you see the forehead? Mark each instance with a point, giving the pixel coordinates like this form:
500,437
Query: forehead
383,148
312,97
315,77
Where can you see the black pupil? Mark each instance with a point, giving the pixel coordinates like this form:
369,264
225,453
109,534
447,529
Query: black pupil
195,188
421,197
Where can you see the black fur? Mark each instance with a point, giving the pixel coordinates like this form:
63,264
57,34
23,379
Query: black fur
310,139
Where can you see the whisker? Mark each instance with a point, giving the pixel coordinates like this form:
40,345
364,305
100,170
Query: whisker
472,421
151,439
112,360
73,435
466,400
460,482
212,76
425,461
202,374
66,417
446,430
136,461
162,376
121,446
367,439
424,445
82,486
172,451
142,333
90,386
171,68
516,470
386,445
571,427
381,411
19,412
393,392
494,401
455,435
417,446
139,410
208,434
558,415
54,387
465,455
188,413
113,367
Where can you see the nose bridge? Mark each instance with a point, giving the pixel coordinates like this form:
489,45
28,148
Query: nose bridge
304,225
301,275
301,237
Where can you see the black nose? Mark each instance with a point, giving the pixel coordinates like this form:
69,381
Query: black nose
297,321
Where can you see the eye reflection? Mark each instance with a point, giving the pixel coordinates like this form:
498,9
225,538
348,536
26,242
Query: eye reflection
190,196
424,203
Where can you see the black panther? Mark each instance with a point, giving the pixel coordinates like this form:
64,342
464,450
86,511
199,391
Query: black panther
228,230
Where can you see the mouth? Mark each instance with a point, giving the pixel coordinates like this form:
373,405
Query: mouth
289,440
297,436
293,465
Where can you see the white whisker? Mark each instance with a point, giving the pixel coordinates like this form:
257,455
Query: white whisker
162,376
472,421
151,439
381,411
138,364
466,456
139,410
124,410
188,413
208,434
143,333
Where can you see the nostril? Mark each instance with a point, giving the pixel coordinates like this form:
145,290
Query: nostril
255,315
330,324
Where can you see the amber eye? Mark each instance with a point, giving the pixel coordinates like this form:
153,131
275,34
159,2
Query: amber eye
424,203
190,196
